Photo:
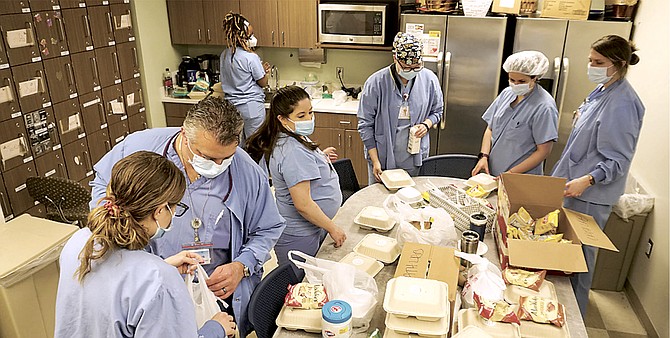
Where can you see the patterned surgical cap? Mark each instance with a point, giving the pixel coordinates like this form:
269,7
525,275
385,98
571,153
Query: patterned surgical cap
407,48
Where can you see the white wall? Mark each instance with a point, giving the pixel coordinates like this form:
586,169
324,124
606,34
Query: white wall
650,78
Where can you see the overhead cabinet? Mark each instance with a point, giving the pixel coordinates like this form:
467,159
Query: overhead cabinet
282,23
199,22
20,39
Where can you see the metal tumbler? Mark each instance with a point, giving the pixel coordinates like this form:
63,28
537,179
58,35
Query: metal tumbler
469,244
478,224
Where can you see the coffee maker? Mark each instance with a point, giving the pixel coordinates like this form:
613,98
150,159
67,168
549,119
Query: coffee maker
209,63
187,73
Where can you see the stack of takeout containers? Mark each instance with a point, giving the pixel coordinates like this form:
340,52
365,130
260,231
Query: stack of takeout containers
374,218
416,306
299,319
363,263
381,248
396,178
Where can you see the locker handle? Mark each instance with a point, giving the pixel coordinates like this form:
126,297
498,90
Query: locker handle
101,113
61,169
135,61
557,73
2,32
11,91
42,84
108,146
70,75
5,209
87,160
445,88
144,124
139,91
32,35
350,140
339,139
116,63
109,25
94,62
87,27
345,122
61,30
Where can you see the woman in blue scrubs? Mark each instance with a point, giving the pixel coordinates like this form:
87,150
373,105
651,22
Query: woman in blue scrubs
243,75
306,184
109,286
598,153
522,121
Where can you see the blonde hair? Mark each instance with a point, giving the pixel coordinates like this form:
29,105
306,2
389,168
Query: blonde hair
139,184
235,27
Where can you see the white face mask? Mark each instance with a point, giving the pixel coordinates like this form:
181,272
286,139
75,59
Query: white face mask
208,168
161,231
598,74
252,41
520,89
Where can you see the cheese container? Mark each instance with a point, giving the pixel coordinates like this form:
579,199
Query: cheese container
388,333
396,178
374,218
494,329
299,319
412,325
514,292
364,263
425,299
486,181
382,248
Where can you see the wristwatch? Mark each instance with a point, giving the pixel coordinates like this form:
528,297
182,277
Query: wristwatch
246,271
592,181
481,155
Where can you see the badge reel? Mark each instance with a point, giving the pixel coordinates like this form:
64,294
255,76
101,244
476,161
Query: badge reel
403,114
203,249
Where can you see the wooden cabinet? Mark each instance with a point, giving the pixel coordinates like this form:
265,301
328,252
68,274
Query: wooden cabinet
214,11
4,60
32,86
282,23
60,79
340,131
9,103
114,104
93,112
15,182
262,15
20,39
44,5
50,32
4,202
118,132
72,4
109,69
102,28
14,6
99,144
199,22
86,72
69,121
132,89
128,61
78,30
51,164
77,160
137,122
14,144
41,130
175,113
123,23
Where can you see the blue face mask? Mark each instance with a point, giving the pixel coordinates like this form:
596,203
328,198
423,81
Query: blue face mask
407,75
160,231
303,128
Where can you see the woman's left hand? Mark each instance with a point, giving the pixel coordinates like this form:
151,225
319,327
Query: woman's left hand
185,261
421,131
330,152
576,187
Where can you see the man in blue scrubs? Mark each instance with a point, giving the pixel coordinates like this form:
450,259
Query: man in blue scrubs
232,217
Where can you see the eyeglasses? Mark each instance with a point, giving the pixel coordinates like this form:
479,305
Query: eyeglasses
180,209
418,69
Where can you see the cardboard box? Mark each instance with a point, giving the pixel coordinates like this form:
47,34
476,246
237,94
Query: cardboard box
540,195
566,9
29,251
506,6
430,262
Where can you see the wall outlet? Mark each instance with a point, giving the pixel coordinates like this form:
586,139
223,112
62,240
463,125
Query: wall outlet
650,246
339,73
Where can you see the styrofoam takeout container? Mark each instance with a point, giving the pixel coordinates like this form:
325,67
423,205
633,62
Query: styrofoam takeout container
425,299
494,329
388,333
374,218
486,181
364,263
382,248
299,319
410,196
472,331
409,325
514,292
532,329
395,179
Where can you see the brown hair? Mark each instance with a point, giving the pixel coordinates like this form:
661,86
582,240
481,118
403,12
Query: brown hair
139,184
263,141
618,50
216,116
236,32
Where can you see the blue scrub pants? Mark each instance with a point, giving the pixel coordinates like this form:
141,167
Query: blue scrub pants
307,244
581,282
253,113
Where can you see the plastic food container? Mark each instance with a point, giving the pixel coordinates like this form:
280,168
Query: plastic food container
374,218
382,248
336,319
412,325
486,181
396,178
364,263
494,329
299,319
410,196
425,299
536,330
472,332
513,292
388,333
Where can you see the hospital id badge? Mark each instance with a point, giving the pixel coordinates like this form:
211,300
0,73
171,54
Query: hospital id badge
203,249
403,114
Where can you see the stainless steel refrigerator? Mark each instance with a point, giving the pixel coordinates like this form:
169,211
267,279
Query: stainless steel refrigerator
468,65
567,44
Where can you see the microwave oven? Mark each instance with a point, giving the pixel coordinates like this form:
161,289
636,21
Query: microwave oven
349,23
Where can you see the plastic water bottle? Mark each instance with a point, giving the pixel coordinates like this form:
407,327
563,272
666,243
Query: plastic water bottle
167,82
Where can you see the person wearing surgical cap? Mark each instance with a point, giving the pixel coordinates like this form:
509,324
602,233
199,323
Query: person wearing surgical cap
396,100
522,121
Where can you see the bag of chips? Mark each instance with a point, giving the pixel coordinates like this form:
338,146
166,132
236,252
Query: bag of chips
498,311
541,310
523,278
547,224
306,296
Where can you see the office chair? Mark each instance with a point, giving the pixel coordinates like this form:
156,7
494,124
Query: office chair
268,298
348,181
65,200
451,165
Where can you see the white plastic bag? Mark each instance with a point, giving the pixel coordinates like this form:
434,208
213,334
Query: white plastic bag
484,278
633,204
442,231
204,300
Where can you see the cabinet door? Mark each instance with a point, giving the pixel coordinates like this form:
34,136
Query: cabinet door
9,100
93,112
86,72
69,121
102,30
14,6
15,182
132,90
109,69
354,150
51,164
175,113
214,12
77,160
128,60
91,3
60,79
41,131
78,30
72,4
4,202
20,39
14,148
44,5
297,23
85,183
114,104
328,137
32,86
262,15
118,132
50,32
186,21
39,211
137,122
123,23
99,144
4,60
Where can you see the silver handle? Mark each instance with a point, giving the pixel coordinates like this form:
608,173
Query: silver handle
199,35
557,73
564,82
283,39
87,159
61,30
109,24
440,67
32,35
117,69
87,27
273,38
139,92
5,209
445,88
101,113
209,37
108,145
349,146
61,169
70,75
135,61
339,139
94,64
41,73
345,122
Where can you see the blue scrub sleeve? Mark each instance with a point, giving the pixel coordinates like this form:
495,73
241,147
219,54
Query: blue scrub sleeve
299,165
367,110
491,111
256,67
545,124
211,328
437,107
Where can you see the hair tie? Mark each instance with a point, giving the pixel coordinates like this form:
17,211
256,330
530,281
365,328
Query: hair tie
112,208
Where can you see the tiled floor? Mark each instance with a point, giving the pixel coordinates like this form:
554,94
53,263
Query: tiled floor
610,315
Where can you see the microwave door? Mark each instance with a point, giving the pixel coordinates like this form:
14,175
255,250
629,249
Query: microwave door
352,24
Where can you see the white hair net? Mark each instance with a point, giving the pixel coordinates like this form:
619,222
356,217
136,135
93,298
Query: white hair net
529,63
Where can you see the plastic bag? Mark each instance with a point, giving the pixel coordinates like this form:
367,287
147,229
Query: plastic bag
633,204
484,278
204,300
442,231
343,282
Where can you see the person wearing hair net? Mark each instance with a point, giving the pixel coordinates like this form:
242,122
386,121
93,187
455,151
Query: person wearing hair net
395,99
522,121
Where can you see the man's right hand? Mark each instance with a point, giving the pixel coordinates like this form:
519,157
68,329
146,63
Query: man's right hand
377,171
227,322
482,164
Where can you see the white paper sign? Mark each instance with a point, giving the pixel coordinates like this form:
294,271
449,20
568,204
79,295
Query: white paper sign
6,94
12,148
50,172
132,38
119,139
73,122
29,87
431,45
90,103
415,29
117,107
89,47
56,147
15,115
117,81
507,3
96,88
4,66
125,21
19,38
130,99
477,8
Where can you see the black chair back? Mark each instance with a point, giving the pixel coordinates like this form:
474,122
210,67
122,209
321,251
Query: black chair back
451,165
65,200
348,181
268,298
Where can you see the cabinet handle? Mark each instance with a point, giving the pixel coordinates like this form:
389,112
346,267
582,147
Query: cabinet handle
87,28
273,38
61,30
70,75
32,35
139,92
8,81
209,37
41,74
5,209
61,169
283,40
117,69
199,35
349,146
101,113
135,61
109,25
339,139
144,124
345,122
108,146
87,160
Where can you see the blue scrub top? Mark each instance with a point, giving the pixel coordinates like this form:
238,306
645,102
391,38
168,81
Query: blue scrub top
292,163
239,76
517,131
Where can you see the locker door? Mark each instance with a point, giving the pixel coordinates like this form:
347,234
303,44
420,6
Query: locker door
99,144
4,61
77,160
44,5
108,66
102,31
132,89
93,112
128,60
4,201
114,104
72,4
14,148
51,164
15,182
69,121
39,210
42,133
118,132
20,39
78,30
50,34
86,72
123,23
14,6
9,103
137,122
85,183
60,79
32,86
90,3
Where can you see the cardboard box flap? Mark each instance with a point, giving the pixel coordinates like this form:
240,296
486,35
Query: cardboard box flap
517,188
587,230
27,244
431,262
549,256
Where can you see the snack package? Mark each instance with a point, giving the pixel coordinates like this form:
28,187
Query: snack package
523,278
306,296
496,311
477,191
422,225
547,224
541,310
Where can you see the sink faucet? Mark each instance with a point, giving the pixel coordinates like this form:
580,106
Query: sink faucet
274,73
